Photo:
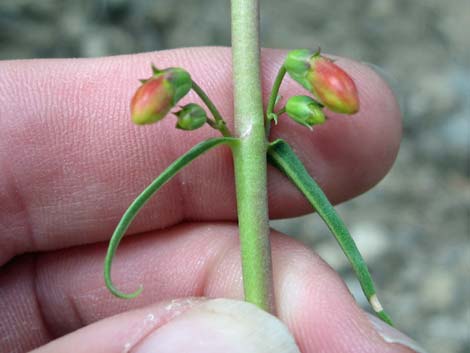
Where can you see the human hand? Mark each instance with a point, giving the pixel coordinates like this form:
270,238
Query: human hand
71,164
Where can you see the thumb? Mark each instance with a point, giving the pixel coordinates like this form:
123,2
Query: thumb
221,325
218,325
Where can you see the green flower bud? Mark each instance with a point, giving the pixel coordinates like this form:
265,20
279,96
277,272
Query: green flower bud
191,117
327,81
158,94
305,111
297,65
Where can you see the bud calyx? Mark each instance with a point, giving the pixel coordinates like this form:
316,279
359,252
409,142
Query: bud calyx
191,117
305,110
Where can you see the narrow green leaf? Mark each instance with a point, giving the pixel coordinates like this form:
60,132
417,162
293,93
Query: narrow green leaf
283,158
142,199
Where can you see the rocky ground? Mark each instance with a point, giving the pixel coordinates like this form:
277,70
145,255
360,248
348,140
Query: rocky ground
414,227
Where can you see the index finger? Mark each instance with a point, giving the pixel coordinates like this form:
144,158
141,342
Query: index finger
72,161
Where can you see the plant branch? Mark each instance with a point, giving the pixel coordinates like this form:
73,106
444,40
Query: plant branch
273,98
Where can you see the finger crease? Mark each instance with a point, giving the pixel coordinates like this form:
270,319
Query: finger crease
213,266
26,216
41,313
78,322
22,208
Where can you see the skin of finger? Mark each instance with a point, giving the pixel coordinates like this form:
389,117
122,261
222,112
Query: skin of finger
122,332
186,261
71,161
186,323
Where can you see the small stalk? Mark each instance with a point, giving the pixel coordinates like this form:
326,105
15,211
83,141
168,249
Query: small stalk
270,115
275,90
250,156
281,111
218,122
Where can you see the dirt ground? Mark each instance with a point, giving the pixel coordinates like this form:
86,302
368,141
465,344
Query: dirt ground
414,227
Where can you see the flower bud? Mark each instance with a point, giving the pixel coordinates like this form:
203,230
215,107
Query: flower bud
157,95
305,111
327,81
191,117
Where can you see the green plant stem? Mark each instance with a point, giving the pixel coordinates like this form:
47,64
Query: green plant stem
250,156
273,98
219,121
143,198
282,157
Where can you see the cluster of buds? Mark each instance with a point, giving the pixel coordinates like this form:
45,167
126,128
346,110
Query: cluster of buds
331,85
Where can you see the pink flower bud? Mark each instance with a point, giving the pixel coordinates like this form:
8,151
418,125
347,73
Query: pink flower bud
333,87
152,101
157,95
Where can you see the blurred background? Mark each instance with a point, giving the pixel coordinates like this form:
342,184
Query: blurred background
414,227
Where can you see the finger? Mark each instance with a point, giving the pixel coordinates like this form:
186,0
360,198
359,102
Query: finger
182,326
186,261
71,161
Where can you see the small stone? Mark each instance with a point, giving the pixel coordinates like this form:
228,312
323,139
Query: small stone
437,290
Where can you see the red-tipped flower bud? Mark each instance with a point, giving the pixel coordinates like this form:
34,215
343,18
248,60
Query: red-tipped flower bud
191,117
305,111
327,81
157,95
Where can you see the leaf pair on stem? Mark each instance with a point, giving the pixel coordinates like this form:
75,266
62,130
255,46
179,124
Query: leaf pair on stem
332,88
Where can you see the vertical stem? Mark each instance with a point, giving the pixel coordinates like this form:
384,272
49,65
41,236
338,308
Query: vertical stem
250,155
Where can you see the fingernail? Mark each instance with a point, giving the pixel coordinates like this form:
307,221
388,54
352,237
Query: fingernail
220,325
392,335
391,81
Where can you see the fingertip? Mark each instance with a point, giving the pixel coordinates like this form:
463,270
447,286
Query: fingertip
319,310
221,324
378,123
